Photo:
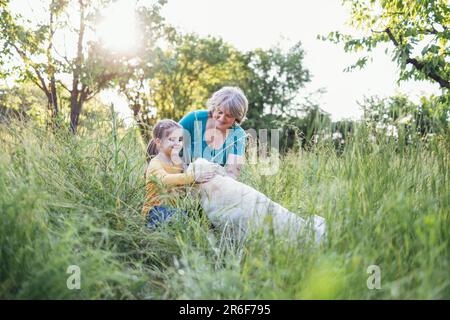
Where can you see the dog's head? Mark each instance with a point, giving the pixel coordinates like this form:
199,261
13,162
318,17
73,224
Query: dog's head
203,165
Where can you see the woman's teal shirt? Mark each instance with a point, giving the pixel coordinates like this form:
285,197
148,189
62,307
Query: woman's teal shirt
194,123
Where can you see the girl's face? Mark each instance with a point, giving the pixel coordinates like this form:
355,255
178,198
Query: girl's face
223,120
172,144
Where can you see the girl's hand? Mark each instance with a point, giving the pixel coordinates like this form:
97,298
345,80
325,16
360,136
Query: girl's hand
203,170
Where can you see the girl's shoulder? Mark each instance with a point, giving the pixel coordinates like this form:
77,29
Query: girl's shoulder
155,163
155,160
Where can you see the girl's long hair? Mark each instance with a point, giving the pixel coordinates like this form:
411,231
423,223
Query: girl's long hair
161,130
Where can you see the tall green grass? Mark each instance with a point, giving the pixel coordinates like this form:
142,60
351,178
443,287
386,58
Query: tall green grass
76,201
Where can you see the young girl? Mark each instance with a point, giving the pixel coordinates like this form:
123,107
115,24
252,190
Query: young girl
165,172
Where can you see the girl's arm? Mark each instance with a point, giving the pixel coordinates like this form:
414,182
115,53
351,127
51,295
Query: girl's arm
169,179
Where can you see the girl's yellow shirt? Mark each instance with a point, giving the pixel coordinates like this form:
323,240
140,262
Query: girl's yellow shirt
162,177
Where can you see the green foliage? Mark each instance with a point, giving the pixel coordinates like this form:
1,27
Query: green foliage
294,131
24,102
427,118
187,73
274,81
77,76
275,78
418,32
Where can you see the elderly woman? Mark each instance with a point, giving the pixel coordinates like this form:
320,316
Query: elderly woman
215,134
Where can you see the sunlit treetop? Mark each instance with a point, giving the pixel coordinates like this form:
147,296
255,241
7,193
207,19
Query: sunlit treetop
416,31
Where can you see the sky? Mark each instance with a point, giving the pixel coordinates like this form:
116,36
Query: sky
250,24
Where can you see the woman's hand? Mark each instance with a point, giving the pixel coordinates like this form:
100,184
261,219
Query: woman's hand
233,165
202,170
202,177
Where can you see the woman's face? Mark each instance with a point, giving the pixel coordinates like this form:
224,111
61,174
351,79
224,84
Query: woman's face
223,120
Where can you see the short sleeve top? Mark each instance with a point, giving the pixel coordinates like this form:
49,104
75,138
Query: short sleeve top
194,124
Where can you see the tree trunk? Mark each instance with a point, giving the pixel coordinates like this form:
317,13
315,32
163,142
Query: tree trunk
54,100
75,110
51,91
76,94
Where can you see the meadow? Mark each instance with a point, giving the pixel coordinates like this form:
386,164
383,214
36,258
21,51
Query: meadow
76,200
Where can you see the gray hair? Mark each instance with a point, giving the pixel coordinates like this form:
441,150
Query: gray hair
233,100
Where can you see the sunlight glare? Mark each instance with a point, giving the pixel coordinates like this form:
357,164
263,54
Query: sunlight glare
118,31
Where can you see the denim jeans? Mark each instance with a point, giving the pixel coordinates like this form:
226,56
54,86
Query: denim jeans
159,214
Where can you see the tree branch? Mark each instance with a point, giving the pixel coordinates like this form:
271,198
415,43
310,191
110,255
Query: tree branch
27,61
419,65
63,85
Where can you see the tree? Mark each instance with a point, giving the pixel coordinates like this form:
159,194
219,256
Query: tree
274,80
81,74
273,83
186,74
32,46
417,32
24,101
134,82
297,130
4,52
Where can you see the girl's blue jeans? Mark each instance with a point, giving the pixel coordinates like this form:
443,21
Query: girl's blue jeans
160,214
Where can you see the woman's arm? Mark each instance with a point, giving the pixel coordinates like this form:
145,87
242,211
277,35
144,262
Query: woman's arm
234,165
235,158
